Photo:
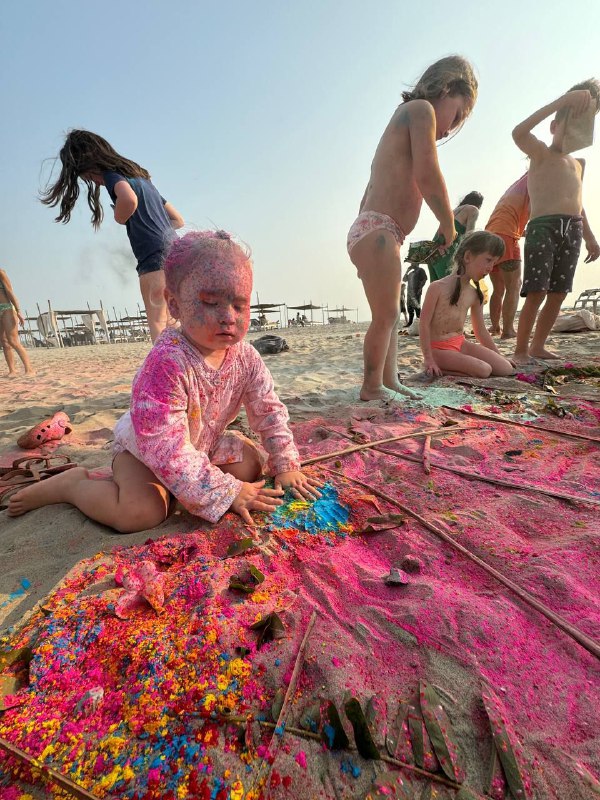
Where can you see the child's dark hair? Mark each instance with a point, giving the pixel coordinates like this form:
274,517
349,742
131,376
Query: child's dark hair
84,152
450,75
476,242
593,87
472,199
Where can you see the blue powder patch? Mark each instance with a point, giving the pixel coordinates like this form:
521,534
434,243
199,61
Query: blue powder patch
324,514
350,768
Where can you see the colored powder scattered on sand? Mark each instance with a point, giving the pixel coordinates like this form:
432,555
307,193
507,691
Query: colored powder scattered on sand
325,514
172,683
438,396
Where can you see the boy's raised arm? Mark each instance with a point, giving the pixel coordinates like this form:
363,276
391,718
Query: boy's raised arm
428,176
577,101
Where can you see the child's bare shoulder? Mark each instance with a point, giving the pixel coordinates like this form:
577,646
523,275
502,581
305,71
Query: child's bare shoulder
415,112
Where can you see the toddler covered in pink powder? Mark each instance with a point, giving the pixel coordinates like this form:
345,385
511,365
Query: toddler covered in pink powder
189,389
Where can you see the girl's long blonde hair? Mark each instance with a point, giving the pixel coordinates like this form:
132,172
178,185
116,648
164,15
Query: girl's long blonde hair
450,75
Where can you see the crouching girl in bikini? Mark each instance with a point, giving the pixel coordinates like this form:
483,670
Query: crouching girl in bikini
174,440
445,348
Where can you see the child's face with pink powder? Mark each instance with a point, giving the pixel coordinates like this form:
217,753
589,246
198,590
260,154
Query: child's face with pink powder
213,304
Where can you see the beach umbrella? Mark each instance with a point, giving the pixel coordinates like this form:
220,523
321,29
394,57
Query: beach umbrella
306,307
342,311
269,308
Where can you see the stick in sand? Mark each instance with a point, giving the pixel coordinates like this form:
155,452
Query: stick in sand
265,766
427,432
498,418
591,645
426,455
316,737
474,476
50,774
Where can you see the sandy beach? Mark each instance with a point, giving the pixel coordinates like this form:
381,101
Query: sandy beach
452,624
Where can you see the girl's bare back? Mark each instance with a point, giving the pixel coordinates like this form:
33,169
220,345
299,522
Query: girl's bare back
392,188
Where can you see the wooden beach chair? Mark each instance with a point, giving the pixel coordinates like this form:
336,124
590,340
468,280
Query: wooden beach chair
589,297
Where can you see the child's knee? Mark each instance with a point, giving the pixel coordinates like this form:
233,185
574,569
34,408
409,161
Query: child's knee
250,468
503,369
482,369
252,461
387,316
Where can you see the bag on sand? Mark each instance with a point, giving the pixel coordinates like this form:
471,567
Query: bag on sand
582,320
269,343
413,328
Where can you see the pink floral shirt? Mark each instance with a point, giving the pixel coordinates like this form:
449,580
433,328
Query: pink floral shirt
180,408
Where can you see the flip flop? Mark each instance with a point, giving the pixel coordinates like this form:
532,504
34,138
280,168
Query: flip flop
47,431
26,471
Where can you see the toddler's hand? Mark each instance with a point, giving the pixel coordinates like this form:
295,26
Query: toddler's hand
299,483
432,369
578,101
254,497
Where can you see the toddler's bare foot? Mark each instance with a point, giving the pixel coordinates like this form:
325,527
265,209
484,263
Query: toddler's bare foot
543,353
494,331
522,359
509,334
12,374
29,372
45,493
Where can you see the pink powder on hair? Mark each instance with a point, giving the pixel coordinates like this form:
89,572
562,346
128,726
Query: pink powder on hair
208,253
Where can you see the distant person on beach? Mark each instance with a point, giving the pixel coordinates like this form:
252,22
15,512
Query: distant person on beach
416,278
558,222
10,319
149,218
465,217
300,319
447,302
404,171
174,440
508,221
403,310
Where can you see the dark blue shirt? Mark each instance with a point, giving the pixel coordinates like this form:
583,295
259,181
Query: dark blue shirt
149,227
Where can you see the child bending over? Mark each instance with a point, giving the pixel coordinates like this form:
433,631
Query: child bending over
149,218
445,349
405,171
191,386
558,222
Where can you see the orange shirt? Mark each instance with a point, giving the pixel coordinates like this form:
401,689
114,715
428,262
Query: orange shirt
511,215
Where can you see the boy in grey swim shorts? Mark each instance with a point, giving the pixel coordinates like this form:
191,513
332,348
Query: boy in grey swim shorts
557,223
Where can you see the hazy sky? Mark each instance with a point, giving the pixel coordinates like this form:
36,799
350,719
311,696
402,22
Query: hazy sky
261,118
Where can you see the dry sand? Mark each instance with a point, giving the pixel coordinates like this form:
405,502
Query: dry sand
319,377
